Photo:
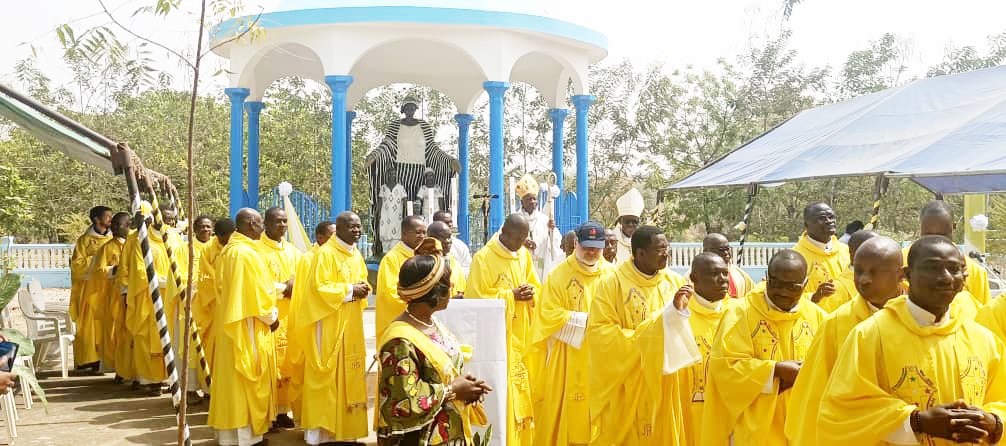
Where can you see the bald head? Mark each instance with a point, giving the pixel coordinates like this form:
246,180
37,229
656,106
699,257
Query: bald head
785,260
936,218
514,231
877,270
439,230
819,221
249,223
857,238
711,276
348,227
717,244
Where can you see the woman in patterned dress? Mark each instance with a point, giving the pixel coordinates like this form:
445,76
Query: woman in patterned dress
425,398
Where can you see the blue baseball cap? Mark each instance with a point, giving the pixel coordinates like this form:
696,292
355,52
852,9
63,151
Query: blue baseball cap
590,234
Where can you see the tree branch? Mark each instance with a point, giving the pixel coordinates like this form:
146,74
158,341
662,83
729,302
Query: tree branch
110,16
239,36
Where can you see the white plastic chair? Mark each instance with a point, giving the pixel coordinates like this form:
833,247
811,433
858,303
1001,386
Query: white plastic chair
28,363
51,307
45,330
10,413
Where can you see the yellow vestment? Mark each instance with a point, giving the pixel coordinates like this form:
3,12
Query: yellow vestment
244,373
890,366
281,259
494,273
329,333
389,306
751,338
805,397
845,290
560,378
704,321
822,266
993,317
632,402
85,316
141,318
205,300
103,295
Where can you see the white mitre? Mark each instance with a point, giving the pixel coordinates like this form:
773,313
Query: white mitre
630,204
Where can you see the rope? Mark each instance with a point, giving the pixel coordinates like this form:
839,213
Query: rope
879,190
743,225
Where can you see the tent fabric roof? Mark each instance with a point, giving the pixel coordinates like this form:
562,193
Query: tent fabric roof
50,131
948,133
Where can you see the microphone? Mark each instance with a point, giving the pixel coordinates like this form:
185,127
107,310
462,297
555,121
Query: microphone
482,196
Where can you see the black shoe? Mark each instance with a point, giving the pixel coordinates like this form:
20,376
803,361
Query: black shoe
193,399
135,385
118,380
151,390
283,421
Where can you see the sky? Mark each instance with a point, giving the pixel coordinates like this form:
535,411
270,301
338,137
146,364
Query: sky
675,33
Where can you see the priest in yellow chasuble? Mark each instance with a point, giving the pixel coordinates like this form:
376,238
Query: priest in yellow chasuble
826,257
293,364
937,218
993,317
710,277
281,258
639,341
916,372
739,282
389,306
244,375
329,331
443,233
756,356
125,363
86,317
102,292
559,365
204,303
503,269
878,274
845,284
141,318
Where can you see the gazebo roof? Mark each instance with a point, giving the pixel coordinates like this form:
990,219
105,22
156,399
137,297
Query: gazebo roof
452,46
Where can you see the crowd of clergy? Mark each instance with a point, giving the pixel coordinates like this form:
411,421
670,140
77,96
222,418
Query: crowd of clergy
859,343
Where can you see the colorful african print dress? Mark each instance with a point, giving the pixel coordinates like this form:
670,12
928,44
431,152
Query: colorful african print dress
416,372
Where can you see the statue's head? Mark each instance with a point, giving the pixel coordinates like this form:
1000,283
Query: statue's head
410,106
391,177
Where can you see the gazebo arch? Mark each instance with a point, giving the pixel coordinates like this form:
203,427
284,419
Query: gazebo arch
469,47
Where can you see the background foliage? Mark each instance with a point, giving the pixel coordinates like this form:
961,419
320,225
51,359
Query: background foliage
650,126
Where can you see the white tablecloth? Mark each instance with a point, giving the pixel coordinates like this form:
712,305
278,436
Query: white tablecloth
481,324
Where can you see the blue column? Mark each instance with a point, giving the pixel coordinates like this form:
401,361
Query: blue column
253,109
558,116
582,103
340,170
350,115
464,124
496,100
237,96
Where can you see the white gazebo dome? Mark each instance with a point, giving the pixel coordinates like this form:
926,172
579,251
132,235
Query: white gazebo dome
451,46
462,48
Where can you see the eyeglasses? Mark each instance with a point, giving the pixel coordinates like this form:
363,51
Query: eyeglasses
783,285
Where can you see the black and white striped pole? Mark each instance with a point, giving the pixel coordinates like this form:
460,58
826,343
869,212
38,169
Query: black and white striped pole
743,225
193,335
879,190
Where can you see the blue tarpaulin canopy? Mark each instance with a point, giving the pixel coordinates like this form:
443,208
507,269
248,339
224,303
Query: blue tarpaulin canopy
947,133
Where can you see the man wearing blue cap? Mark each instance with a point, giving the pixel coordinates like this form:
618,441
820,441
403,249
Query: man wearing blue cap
558,360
